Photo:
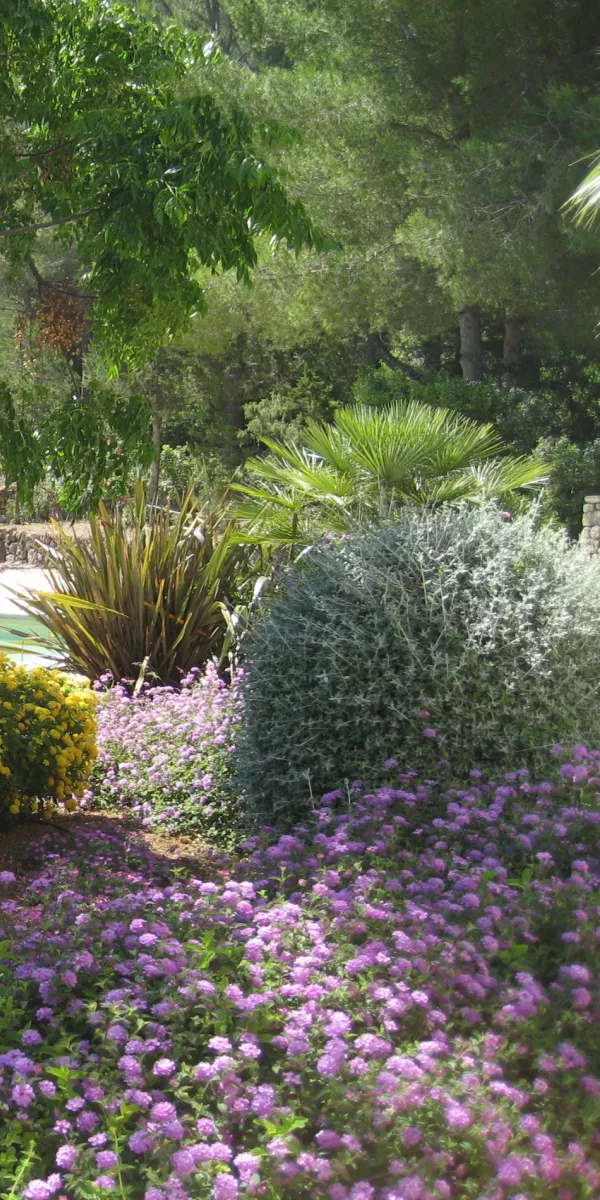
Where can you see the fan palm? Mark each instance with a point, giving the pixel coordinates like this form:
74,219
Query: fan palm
370,462
585,201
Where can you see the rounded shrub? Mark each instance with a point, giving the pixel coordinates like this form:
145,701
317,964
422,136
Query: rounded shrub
457,634
47,739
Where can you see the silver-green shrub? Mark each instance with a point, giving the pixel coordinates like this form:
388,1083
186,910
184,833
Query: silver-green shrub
495,622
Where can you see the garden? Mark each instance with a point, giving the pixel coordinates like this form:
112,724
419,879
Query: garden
318,917
300,739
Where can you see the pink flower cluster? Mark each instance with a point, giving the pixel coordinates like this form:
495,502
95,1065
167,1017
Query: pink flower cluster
164,754
401,1003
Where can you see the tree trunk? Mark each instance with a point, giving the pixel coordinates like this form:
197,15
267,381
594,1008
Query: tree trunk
470,343
154,480
511,356
375,351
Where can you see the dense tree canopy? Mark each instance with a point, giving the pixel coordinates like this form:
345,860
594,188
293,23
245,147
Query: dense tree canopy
434,143
105,139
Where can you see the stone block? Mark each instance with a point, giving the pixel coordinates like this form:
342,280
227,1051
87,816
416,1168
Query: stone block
590,519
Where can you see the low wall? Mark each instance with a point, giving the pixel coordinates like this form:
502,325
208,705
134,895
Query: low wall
20,544
590,534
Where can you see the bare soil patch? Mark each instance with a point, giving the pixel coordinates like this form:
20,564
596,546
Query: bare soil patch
24,847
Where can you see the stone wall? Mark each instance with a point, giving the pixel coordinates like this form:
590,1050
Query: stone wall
19,545
590,534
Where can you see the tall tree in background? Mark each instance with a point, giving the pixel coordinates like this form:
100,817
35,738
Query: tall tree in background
435,141
142,176
440,142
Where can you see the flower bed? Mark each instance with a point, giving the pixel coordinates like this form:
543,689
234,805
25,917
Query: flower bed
164,755
401,1005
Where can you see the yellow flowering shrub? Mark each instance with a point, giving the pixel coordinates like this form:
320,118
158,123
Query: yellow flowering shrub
47,739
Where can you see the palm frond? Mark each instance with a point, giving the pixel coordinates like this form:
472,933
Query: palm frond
368,463
584,204
486,481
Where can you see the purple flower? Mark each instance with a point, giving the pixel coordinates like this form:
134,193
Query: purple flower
105,1182
204,1071
222,1044
248,1166
7,877
42,1189
362,1191
278,1147
106,1160
225,1187
87,1121
581,998
140,1142
182,1162
412,1188
163,1111
31,1037
328,1139
23,1094
576,972
205,1127
66,1157
164,1067
117,1033
511,1171
337,1024
571,1058
458,1117
221,1152
38,1189
411,1136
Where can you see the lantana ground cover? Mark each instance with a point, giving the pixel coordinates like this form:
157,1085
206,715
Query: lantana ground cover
399,1004
164,755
